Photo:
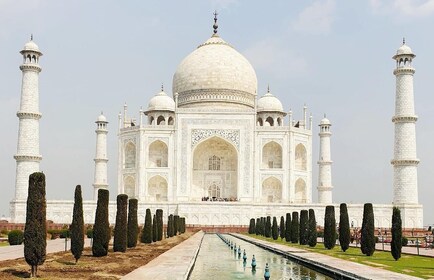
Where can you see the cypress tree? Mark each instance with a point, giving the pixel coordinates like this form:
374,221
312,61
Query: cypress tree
182,225
120,239
35,231
154,228
275,231
282,227
295,225
304,217
101,228
268,227
263,220
288,226
170,226
133,226
147,228
175,224
257,225
252,226
159,224
367,243
396,244
77,226
329,227
312,229
344,227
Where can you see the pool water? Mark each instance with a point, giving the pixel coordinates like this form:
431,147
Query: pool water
216,260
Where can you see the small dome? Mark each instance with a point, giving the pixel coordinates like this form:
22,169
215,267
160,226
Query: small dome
325,121
101,118
404,50
161,102
31,46
269,103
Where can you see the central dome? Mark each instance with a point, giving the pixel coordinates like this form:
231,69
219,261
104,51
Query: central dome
215,74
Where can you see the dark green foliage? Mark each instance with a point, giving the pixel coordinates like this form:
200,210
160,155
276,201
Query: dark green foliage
304,219
404,241
275,230
288,226
154,228
147,228
312,234
295,228
252,226
101,228
89,233
396,244
263,220
181,225
77,226
35,231
367,243
170,225
257,226
329,227
15,237
268,227
175,224
159,213
282,227
344,227
120,239
133,225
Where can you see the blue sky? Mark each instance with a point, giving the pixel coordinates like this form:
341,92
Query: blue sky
333,56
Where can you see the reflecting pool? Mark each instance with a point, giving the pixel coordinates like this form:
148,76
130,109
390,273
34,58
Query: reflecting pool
216,260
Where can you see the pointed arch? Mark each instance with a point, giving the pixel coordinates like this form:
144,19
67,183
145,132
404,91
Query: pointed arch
260,122
151,120
272,190
269,122
158,154
157,188
130,155
170,121
161,120
272,155
300,191
300,157
130,186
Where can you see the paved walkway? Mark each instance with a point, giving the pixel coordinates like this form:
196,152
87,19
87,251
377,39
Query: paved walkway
53,246
351,270
174,264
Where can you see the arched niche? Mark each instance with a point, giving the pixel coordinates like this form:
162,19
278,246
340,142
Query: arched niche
130,155
158,154
300,157
157,188
272,155
272,190
300,191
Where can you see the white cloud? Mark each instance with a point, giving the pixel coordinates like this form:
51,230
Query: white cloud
409,8
316,18
276,58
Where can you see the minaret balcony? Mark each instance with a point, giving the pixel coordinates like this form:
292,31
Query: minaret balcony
28,115
31,67
27,158
397,162
401,119
403,71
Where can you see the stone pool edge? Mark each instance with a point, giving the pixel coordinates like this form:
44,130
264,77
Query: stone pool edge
176,263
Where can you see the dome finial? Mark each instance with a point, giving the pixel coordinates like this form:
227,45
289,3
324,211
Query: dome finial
31,37
403,40
215,26
162,86
268,88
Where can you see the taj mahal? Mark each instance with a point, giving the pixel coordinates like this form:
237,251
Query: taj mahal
218,152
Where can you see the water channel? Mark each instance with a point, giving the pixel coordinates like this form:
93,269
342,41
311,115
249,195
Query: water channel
216,260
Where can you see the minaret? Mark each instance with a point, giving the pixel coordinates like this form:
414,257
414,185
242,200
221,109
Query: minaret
28,156
101,159
405,160
325,163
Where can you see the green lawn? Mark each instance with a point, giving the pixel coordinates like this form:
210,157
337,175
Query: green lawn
4,244
418,266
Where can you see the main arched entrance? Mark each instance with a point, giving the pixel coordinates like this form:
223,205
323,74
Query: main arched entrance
215,167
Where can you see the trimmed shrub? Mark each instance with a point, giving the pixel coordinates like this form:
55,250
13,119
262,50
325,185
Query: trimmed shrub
367,243
257,226
329,227
404,241
344,227
282,227
295,228
397,239
77,226
147,228
35,231
288,226
89,233
154,228
182,225
252,226
268,227
304,218
175,224
274,230
15,237
101,228
312,234
133,226
120,238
